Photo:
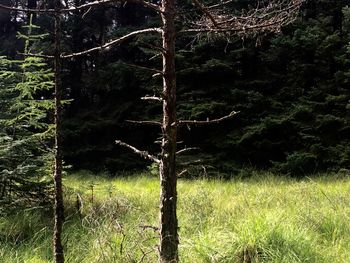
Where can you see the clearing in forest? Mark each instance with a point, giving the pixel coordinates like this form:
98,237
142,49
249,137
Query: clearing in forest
264,218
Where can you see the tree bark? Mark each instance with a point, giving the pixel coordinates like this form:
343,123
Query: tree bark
59,209
168,179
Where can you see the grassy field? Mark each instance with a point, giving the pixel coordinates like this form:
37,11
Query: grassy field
261,219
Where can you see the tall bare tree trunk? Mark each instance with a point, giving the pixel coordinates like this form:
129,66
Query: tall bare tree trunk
168,219
59,209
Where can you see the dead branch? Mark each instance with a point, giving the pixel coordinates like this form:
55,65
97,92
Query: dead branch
206,12
268,18
105,46
157,75
63,10
182,173
241,30
143,154
214,121
151,98
153,123
185,150
114,42
88,6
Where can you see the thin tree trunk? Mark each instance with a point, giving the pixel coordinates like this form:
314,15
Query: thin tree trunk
168,219
59,209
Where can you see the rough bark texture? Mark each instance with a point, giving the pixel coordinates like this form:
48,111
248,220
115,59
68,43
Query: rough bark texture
59,210
168,219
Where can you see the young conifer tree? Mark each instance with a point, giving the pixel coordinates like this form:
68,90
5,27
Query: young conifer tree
25,129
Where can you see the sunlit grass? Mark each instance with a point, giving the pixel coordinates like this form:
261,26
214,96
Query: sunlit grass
264,218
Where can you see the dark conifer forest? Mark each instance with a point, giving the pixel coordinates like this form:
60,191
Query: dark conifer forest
290,88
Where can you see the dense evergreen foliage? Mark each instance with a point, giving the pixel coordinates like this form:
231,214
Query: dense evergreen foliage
292,91
25,130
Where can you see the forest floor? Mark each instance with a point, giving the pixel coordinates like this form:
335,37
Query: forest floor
264,218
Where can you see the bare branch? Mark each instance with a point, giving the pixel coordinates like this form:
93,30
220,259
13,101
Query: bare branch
151,98
63,10
88,6
185,150
157,75
114,42
269,18
214,121
206,12
153,123
10,8
186,122
143,154
105,46
244,30
182,173
86,12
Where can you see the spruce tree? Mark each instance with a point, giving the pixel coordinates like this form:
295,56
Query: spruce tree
25,130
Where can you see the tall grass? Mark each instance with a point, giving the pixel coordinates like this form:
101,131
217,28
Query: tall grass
264,218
